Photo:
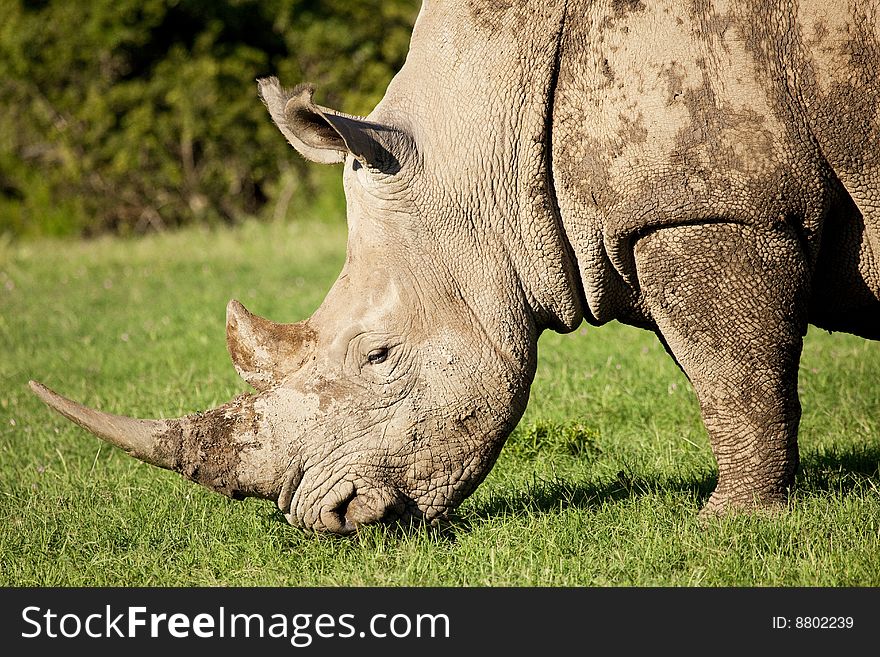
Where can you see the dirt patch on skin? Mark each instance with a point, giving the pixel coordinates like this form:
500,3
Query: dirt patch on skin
495,18
206,447
490,17
626,6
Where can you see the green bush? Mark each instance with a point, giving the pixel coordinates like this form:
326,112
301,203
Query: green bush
133,115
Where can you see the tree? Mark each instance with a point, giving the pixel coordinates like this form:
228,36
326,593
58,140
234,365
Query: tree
131,115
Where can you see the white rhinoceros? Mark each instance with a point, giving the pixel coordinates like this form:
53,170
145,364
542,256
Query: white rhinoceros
707,170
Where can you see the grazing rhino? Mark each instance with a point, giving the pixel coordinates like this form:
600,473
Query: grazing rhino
706,170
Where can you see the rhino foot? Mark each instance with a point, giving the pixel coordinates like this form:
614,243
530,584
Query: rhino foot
722,505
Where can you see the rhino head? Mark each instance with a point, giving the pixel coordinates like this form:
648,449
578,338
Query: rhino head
377,408
392,401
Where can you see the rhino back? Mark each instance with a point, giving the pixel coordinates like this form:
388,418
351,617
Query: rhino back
679,113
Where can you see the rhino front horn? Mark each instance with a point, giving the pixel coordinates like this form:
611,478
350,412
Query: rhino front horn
206,448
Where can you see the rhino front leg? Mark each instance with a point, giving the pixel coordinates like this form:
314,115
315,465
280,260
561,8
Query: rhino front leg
730,303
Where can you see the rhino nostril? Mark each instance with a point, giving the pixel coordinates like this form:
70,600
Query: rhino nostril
354,508
357,512
341,512
371,508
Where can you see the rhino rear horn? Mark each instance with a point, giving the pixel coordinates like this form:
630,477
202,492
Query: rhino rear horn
263,351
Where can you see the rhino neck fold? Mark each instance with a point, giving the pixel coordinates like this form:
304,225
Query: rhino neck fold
489,73
541,253
564,310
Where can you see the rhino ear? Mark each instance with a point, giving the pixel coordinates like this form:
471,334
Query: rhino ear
323,135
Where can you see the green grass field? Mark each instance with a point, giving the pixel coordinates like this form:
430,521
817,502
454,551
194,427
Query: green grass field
600,484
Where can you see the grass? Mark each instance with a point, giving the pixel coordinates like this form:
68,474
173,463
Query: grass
600,485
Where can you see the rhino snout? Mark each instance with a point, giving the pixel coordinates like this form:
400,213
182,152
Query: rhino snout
346,508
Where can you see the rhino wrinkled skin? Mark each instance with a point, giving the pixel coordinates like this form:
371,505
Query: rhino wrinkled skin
709,171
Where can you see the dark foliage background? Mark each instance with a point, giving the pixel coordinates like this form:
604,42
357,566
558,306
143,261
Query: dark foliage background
138,115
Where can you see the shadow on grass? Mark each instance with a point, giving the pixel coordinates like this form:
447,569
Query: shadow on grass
838,470
442,531
553,495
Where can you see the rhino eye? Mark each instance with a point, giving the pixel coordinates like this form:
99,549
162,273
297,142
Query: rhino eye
377,356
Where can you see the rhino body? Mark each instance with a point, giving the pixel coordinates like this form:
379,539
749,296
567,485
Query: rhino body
708,171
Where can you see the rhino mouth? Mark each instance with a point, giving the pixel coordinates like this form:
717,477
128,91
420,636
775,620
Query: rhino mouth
345,508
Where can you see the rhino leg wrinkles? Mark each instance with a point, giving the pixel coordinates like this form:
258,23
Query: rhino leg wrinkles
728,301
